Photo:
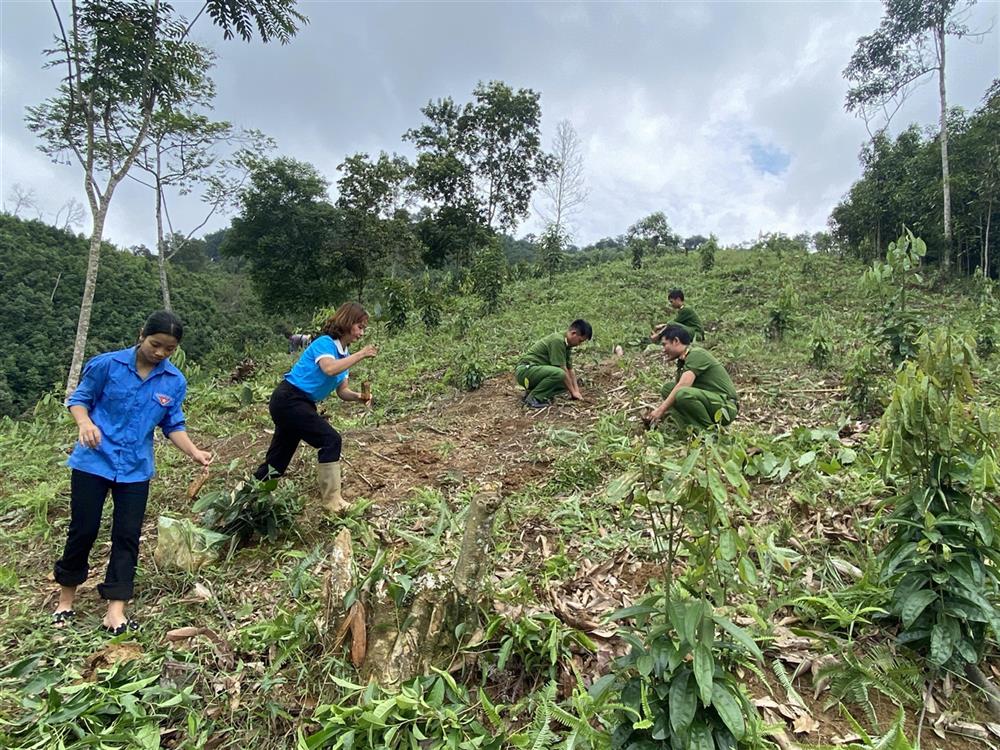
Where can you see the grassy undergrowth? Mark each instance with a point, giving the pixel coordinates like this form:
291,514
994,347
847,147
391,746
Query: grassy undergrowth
801,558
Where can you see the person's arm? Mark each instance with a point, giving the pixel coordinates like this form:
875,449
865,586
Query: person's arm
84,397
180,439
686,379
571,385
344,393
90,434
330,365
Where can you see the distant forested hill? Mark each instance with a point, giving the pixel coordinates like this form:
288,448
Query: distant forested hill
41,283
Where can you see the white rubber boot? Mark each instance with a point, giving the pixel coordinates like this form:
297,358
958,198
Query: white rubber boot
329,488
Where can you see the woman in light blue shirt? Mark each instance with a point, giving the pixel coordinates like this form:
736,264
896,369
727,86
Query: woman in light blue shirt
122,398
324,367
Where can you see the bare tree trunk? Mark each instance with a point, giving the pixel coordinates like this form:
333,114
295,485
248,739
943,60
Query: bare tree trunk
160,243
986,241
442,610
87,303
946,257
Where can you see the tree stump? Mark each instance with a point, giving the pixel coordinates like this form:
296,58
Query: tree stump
405,645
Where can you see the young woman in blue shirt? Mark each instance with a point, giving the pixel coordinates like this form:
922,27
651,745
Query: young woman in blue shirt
123,396
322,368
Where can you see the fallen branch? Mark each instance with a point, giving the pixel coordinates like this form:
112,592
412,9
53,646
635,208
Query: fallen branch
990,691
390,460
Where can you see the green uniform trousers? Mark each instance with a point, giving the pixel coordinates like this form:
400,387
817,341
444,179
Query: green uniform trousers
695,407
541,381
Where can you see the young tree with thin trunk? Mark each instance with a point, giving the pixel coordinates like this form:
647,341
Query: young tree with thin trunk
184,153
908,44
21,198
122,60
565,191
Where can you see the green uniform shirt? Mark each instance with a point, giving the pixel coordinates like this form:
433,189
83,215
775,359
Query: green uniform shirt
709,374
551,350
690,320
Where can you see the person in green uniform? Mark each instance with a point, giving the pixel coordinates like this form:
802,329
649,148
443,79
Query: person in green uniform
685,316
547,367
703,387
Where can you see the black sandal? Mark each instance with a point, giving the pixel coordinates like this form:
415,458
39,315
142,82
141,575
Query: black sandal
63,617
129,626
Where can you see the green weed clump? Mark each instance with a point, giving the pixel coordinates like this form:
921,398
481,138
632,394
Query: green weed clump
432,711
819,344
781,319
120,706
252,509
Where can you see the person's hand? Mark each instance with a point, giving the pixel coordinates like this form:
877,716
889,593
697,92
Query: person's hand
368,351
366,399
652,418
576,395
90,434
202,457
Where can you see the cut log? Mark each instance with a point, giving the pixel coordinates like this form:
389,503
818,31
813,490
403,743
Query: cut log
402,645
338,582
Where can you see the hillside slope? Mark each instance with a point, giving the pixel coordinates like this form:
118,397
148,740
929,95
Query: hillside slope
573,542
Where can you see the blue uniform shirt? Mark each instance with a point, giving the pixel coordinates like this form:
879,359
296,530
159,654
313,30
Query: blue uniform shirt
307,376
127,410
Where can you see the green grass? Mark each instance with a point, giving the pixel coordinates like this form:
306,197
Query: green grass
808,505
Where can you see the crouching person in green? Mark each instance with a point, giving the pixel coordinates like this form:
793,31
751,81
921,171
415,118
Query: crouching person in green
547,367
685,317
703,387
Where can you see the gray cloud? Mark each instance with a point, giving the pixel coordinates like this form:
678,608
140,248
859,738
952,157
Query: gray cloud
670,100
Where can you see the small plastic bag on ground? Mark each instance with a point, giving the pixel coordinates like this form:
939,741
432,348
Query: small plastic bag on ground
182,545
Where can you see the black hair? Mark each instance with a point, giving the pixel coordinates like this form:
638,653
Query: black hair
163,321
676,294
675,331
582,327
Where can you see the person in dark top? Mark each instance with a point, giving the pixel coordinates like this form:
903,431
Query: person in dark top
702,388
547,367
324,367
685,316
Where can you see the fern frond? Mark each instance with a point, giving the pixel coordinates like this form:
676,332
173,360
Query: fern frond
783,679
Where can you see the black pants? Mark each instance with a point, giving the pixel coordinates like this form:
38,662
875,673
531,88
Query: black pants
88,492
296,419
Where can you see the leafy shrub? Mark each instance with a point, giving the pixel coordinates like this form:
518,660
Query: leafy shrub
429,304
250,509
863,379
780,321
473,375
539,642
398,300
943,454
488,275
551,245
820,343
707,252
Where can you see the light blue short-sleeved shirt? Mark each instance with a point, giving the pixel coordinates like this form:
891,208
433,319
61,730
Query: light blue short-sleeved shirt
307,375
127,410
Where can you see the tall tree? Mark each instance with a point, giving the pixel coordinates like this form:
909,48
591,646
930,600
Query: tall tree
908,44
287,234
122,60
376,237
479,163
565,190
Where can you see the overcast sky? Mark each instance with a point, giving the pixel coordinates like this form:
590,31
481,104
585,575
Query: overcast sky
727,116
